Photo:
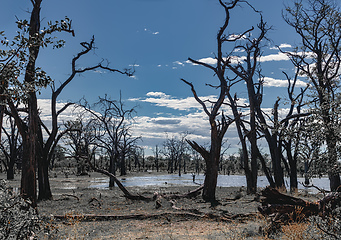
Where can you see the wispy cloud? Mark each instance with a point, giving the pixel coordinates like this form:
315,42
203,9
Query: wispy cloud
134,65
178,63
281,46
151,32
213,61
274,57
236,36
163,100
153,129
271,82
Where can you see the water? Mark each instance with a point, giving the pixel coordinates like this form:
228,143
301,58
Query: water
187,180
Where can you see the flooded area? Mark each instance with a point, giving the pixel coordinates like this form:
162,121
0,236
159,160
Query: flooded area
187,180
98,181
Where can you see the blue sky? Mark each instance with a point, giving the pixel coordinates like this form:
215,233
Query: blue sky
157,37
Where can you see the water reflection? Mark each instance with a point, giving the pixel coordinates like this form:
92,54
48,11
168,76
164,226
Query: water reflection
187,180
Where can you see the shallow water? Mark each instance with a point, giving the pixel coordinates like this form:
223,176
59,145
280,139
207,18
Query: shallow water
187,180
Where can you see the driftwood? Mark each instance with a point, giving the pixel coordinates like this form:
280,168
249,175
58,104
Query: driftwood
283,207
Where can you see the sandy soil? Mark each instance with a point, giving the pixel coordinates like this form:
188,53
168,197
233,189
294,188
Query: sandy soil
235,217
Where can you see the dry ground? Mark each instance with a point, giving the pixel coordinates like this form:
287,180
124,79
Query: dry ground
235,217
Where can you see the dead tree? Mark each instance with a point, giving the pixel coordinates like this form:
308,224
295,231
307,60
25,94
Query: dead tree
318,58
54,135
218,126
289,129
11,147
110,122
34,79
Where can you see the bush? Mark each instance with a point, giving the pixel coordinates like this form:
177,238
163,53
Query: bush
18,220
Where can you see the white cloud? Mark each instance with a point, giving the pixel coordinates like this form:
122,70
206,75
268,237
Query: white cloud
271,82
156,94
163,100
134,65
153,128
208,60
282,45
179,63
213,61
274,57
236,36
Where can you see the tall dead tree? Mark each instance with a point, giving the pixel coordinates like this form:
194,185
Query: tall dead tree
34,78
54,134
318,24
219,123
29,132
289,129
246,69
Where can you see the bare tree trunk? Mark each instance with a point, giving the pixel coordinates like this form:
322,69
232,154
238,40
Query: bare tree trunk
179,160
43,179
123,167
211,176
112,170
10,170
334,176
28,179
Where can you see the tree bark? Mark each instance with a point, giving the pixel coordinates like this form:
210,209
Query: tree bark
45,192
10,171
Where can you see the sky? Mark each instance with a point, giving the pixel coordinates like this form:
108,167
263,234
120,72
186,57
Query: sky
156,38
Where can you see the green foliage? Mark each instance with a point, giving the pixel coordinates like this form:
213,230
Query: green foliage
14,57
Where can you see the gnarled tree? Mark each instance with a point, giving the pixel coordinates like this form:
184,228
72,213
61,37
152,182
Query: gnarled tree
219,123
318,24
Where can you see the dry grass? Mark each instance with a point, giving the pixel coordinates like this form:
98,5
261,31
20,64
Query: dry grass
154,229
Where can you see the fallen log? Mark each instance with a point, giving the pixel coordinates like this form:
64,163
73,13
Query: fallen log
167,215
131,196
283,207
91,217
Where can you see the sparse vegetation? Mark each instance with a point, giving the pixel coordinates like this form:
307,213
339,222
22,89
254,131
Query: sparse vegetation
101,140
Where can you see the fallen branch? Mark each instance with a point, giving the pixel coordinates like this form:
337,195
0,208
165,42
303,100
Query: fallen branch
125,191
66,197
131,196
319,189
283,207
92,200
190,194
168,215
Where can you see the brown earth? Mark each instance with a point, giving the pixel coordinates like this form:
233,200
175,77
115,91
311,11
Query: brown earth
235,217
